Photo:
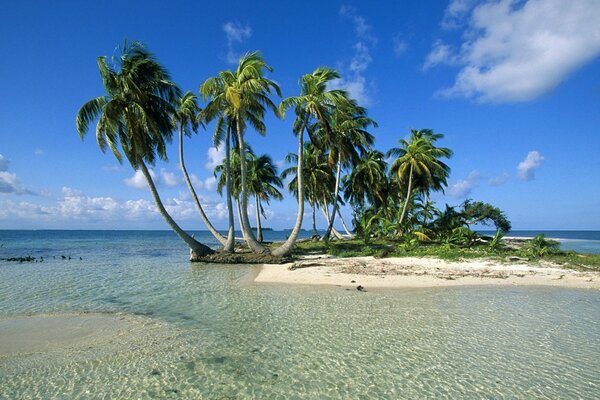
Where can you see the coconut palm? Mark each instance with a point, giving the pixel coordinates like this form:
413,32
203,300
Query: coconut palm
346,139
263,183
367,182
317,177
418,159
188,117
315,102
135,114
239,98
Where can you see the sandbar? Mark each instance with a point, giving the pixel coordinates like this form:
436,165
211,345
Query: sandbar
413,272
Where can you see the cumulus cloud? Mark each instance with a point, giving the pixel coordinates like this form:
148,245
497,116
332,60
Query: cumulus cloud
354,80
74,205
9,183
214,157
166,178
455,13
517,51
210,183
526,168
463,187
441,53
235,33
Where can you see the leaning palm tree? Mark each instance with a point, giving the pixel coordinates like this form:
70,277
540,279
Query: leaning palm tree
315,102
188,117
136,114
241,97
418,159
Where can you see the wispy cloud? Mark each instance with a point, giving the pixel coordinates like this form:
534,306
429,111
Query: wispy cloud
463,187
517,51
526,168
38,152
354,80
499,180
399,45
235,33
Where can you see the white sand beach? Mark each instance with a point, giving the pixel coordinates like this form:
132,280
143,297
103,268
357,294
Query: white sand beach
411,272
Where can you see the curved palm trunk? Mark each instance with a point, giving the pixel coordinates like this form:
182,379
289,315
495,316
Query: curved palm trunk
246,229
230,243
407,196
286,247
344,224
333,230
314,220
259,235
335,197
197,249
222,239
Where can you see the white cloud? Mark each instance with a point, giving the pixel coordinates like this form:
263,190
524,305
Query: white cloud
499,180
215,156
354,80
210,183
462,188
169,178
38,152
455,13
440,54
9,183
526,168
235,33
399,45
518,51
138,180
196,182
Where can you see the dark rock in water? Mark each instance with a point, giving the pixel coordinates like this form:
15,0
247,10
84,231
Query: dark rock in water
352,281
22,259
361,288
155,371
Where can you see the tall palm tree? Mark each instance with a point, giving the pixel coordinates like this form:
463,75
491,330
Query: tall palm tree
188,117
263,183
367,182
242,97
346,139
136,114
418,159
317,178
315,102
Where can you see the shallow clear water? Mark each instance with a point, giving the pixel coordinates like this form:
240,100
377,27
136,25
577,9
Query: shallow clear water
225,337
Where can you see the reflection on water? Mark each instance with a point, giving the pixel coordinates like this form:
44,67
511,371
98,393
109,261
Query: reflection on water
223,337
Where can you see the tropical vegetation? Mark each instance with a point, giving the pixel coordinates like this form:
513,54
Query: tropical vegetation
335,163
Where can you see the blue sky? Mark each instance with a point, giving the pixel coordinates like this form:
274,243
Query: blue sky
513,85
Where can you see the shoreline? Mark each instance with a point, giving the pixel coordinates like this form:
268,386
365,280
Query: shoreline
413,272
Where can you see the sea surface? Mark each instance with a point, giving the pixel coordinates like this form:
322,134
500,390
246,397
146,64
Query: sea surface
579,241
238,340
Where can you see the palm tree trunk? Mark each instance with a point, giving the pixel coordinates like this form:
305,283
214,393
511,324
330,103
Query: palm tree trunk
211,228
197,249
314,221
259,235
230,244
286,247
239,213
335,197
246,229
407,196
333,230
344,224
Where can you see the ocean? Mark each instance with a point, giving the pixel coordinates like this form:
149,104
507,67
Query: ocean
225,337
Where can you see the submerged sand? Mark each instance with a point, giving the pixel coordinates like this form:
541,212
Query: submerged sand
412,272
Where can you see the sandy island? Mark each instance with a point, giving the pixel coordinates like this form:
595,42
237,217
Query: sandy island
412,272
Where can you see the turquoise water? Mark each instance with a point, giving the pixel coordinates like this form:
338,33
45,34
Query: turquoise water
229,338
580,241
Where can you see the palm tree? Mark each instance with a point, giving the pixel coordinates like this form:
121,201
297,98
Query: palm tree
317,178
239,98
367,182
188,118
136,114
263,183
346,138
418,159
314,102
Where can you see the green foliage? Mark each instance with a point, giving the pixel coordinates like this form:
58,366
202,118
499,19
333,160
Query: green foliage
482,213
496,243
539,246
